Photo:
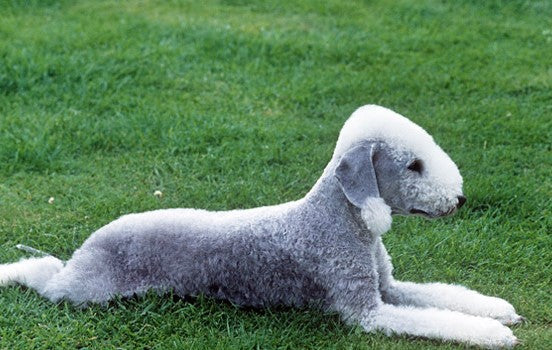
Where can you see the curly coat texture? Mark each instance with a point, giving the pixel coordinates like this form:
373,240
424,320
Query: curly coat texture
324,250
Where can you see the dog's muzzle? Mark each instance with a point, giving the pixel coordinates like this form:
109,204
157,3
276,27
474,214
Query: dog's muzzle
461,202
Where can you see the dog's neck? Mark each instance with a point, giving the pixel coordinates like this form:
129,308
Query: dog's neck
329,200
328,197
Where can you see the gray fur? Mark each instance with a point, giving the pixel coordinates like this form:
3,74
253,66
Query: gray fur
283,256
356,174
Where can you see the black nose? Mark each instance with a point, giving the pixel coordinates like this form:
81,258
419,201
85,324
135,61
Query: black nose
461,201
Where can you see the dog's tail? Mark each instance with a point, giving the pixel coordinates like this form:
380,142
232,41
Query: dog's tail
31,250
33,272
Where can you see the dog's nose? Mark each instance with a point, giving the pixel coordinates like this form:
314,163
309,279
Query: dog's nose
461,201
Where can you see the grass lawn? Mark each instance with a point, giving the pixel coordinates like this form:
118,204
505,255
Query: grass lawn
233,104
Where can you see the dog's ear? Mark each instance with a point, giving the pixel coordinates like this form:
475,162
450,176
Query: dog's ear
356,175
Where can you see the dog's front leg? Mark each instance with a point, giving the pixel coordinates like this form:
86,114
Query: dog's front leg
440,295
450,297
440,324
353,292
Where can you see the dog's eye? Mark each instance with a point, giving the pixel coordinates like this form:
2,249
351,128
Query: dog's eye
416,166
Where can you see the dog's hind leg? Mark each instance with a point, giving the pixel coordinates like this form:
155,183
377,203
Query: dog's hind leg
33,272
80,281
79,286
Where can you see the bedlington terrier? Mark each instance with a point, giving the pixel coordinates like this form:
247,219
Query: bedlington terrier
323,250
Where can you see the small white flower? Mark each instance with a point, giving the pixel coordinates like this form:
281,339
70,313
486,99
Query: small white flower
158,194
51,200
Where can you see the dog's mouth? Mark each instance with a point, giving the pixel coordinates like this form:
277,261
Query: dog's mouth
423,213
420,212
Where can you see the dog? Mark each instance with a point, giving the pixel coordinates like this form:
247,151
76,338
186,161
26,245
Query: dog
323,250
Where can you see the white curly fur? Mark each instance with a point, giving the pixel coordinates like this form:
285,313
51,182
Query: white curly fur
377,215
399,133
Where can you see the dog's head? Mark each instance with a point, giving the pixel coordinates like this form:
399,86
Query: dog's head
382,154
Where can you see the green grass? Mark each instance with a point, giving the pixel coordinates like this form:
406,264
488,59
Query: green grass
233,104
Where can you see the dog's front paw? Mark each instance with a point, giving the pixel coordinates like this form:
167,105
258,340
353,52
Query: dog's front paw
497,336
511,319
502,311
506,340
